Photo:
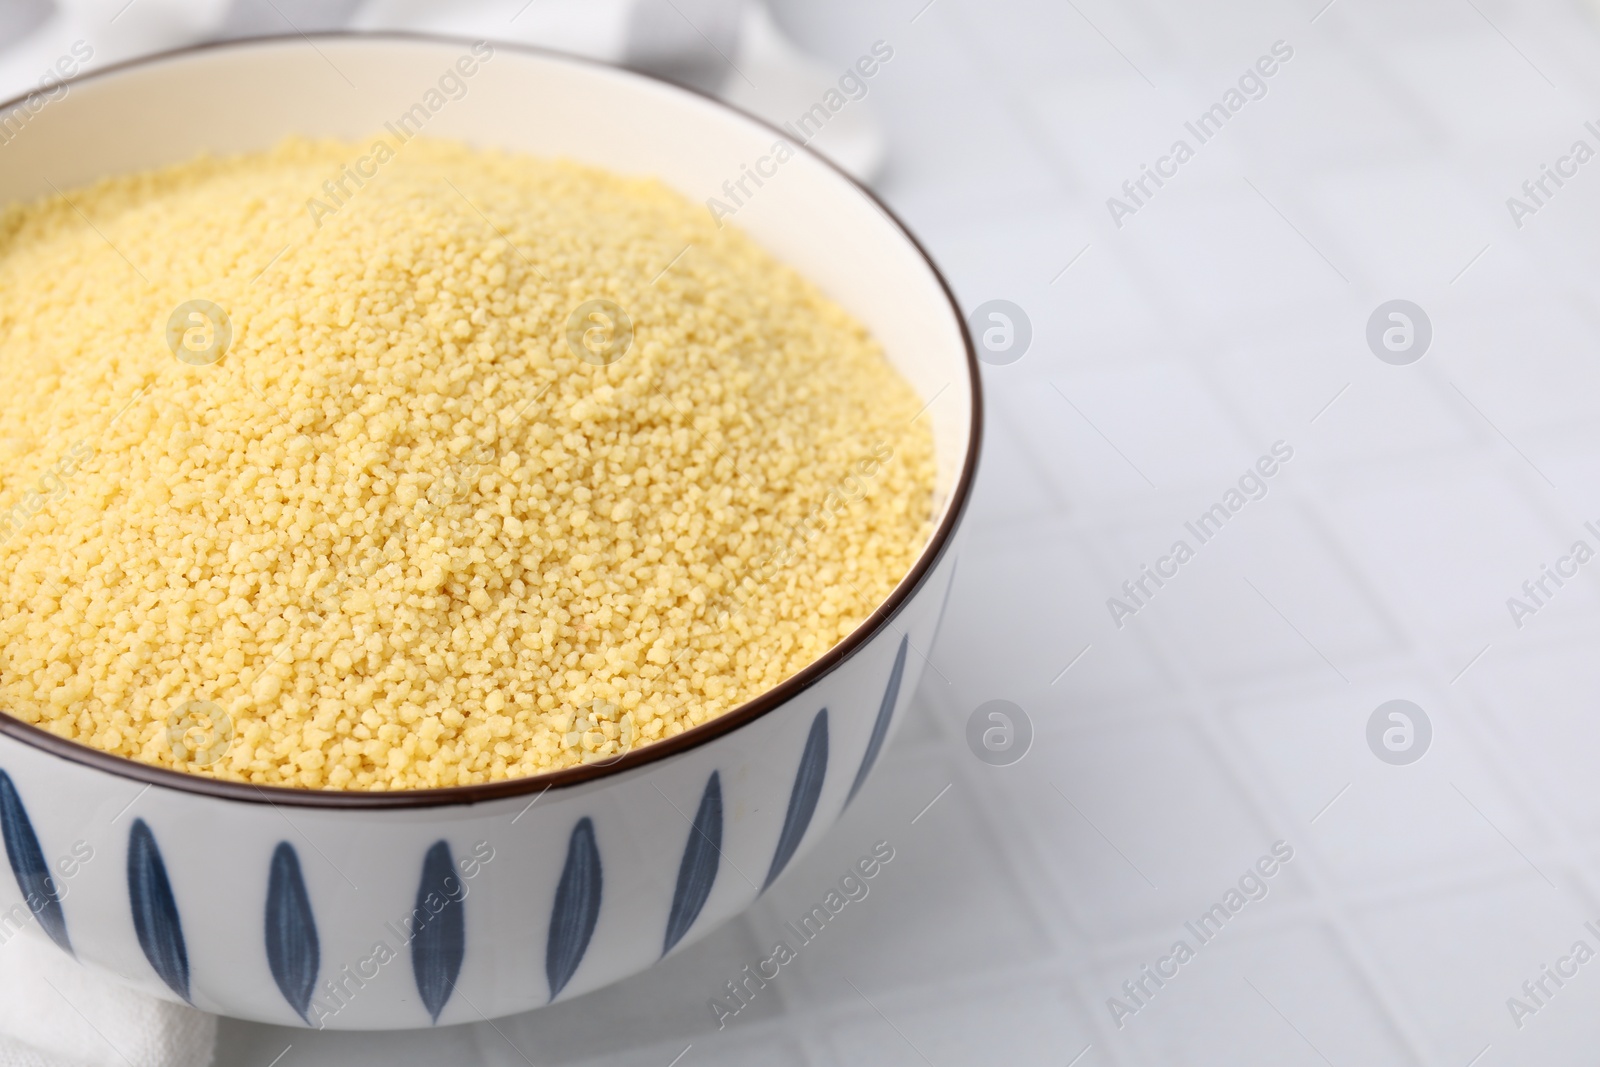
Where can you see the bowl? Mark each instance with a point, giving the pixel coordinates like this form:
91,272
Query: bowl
390,910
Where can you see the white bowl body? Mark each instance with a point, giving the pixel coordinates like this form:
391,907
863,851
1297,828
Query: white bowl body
289,908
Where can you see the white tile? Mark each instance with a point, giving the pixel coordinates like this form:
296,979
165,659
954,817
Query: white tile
1333,400
1556,238
949,874
669,1002
1068,278
242,1042
940,107
1525,364
1226,36
1263,595
1013,481
1011,250
1390,26
1158,423
1230,251
1445,542
1571,457
1413,226
1111,128
1543,701
1024,605
731,1049
1138,825
1284,996
1325,107
1095,309
1477,85
1021,1023
1085,468
1457,958
1040,45
1376,824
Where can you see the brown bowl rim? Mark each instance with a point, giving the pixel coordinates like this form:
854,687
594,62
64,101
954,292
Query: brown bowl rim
539,784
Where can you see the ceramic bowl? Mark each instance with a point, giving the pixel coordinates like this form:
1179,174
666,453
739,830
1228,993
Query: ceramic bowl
406,909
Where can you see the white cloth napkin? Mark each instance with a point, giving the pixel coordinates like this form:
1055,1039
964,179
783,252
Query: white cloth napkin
732,47
54,1012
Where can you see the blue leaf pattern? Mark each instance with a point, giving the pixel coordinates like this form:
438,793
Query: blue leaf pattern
293,951
439,942
28,864
803,798
880,729
155,911
577,908
698,871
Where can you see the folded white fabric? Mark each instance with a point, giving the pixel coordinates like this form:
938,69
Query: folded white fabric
56,1013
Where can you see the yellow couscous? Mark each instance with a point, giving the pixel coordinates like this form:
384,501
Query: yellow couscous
454,467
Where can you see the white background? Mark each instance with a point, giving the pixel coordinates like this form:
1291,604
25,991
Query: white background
1230,713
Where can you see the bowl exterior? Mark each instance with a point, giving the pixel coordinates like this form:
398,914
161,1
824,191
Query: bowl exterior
362,919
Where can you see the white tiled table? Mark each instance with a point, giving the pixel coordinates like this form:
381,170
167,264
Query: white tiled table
1231,712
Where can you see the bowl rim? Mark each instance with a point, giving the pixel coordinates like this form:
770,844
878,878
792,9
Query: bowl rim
694,737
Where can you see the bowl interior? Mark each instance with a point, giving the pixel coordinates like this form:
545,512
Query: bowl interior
244,96
247,96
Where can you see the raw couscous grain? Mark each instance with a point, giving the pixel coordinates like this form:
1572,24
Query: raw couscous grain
400,535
